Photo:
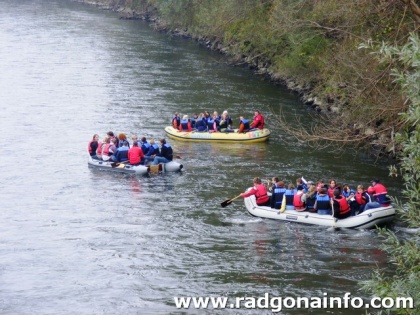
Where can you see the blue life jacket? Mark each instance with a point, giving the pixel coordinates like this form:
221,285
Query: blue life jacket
246,124
145,147
177,119
184,124
192,120
153,149
166,151
122,154
323,202
289,196
277,196
347,194
201,124
210,123
310,202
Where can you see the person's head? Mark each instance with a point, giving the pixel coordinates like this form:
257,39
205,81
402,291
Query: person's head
280,184
225,113
257,112
374,181
195,115
185,117
323,191
106,140
135,143
162,141
256,180
299,181
134,137
311,189
241,118
152,142
310,183
215,113
275,180
110,134
360,188
122,136
95,137
143,139
336,192
291,186
176,114
201,115
332,183
346,187
113,140
125,143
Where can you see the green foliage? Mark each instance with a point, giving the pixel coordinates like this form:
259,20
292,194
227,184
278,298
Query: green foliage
405,252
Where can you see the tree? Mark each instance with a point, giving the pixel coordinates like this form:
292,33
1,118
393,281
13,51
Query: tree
404,252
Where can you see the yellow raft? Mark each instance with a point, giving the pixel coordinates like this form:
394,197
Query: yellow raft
248,137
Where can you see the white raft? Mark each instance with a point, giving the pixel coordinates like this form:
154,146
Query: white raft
366,220
171,166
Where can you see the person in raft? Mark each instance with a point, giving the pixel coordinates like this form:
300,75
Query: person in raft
135,154
341,209
379,193
185,124
93,146
243,125
260,192
258,122
166,154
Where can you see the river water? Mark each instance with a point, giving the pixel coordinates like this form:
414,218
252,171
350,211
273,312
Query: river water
77,241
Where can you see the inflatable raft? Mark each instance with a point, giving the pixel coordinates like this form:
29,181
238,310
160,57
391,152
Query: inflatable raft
171,166
248,137
366,220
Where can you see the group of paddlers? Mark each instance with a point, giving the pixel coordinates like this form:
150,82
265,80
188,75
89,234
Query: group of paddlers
118,149
204,122
329,199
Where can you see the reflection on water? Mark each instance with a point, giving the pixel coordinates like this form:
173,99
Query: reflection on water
78,241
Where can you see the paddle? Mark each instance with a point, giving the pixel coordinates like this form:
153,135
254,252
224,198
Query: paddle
283,204
229,201
116,164
332,209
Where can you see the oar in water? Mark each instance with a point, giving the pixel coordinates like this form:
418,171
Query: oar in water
116,164
229,201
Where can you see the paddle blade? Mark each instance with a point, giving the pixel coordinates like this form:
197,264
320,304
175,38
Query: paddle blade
226,203
283,204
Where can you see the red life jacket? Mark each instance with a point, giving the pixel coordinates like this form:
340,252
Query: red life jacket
105,151
99,149
359,199
298,203
379,192
344,206
261,195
